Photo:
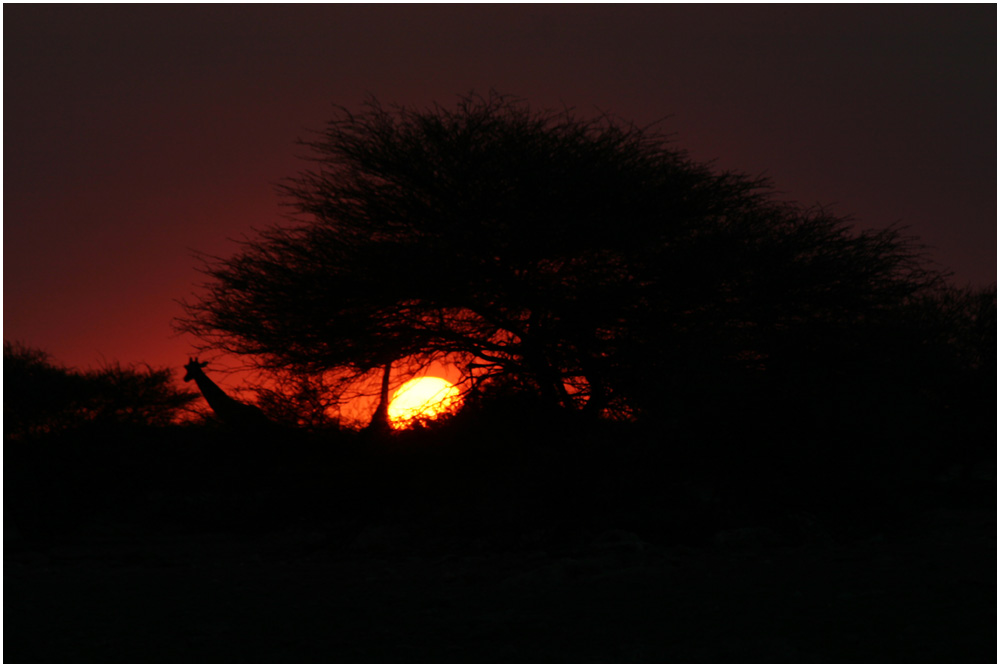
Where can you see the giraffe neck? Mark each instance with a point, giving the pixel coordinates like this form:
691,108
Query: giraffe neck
217,399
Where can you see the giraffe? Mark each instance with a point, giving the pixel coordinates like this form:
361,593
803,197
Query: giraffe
229,411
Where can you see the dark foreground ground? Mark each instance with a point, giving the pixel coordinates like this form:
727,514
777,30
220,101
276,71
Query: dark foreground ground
922,590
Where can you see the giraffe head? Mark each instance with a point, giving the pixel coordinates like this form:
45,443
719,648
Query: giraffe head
193,368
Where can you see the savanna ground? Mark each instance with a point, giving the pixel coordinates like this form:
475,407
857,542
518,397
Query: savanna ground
580,544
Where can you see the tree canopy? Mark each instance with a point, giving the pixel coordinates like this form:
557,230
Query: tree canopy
586,260
45,397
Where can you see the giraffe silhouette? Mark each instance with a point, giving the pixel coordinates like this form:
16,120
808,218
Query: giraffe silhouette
229,411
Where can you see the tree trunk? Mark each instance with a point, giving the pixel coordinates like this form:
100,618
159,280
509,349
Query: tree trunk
380,420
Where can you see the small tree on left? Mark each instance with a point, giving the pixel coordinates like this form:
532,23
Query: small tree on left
45,397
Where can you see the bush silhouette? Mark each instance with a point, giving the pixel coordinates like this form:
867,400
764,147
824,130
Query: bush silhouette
46,397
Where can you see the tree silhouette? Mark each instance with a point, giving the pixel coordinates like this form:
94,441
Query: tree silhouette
44,397
300,400
588,261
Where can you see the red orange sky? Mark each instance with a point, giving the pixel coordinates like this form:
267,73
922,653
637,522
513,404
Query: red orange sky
136,134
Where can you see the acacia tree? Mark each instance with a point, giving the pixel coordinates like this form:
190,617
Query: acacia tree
586,259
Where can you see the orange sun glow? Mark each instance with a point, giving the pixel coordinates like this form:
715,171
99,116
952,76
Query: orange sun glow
422,398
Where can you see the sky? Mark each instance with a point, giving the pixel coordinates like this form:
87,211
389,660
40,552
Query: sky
136,135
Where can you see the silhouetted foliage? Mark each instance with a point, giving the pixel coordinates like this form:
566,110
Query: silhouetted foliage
586,260
45,397
965,324
303,400
957,365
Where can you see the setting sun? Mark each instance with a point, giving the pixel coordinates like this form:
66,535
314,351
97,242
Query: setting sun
422,398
